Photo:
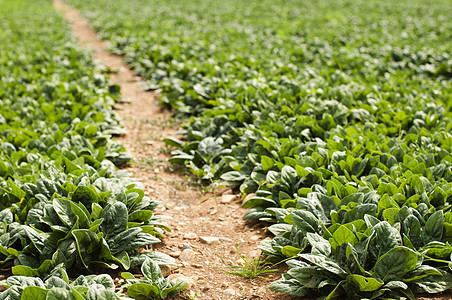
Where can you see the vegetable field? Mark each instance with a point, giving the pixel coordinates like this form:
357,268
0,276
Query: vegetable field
333,119
65,209
336,114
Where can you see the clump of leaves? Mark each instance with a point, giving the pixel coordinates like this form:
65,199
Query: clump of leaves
153,285
57,285
253,266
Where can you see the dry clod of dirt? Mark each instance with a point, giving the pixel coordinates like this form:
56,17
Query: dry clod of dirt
175,254
187,255
225,239
166,270
190,236
209,240
226,199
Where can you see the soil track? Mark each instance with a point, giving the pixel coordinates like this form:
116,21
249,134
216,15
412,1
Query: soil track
203,226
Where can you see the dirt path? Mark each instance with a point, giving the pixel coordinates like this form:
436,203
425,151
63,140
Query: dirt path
198,232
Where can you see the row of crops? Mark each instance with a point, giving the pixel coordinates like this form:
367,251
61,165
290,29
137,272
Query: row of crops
65,210
337,114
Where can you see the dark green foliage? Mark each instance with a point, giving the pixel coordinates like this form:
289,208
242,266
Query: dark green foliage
337,114
63,204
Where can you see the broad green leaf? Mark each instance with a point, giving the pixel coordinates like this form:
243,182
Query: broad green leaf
34,292
394,264
143,291
151,271
342,235
365,284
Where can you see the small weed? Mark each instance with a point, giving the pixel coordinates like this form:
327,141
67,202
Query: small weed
253,268
149,163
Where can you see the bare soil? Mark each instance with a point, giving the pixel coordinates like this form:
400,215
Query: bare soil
193,213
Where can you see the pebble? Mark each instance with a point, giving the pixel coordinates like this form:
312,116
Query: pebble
199,266
209,240
190,236
225,199
165,269
255,238
229,292
225,239
187,254
227,192
175,254
185,246
185,264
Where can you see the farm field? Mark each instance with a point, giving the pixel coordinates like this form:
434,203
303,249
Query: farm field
68,216
335,115
331,118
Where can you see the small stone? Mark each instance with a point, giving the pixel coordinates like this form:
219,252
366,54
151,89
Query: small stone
187,254
230,292
227,192
255,238
199,266
225,199
175,254
221,218
165,269
209,240
185,246
185,264
225,239
190,236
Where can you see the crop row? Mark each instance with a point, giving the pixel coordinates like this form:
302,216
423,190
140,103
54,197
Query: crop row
336,115
64,207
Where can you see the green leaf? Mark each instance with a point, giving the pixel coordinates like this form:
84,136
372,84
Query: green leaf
24,271
115,219
143,291
290,287
267,163
288,175
151,271
84,195
59,294
174,287
127,275
34,292
324,263
394,264
365,284
88,246
434,227
343,235
123,259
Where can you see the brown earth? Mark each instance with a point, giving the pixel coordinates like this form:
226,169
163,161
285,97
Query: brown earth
195,213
